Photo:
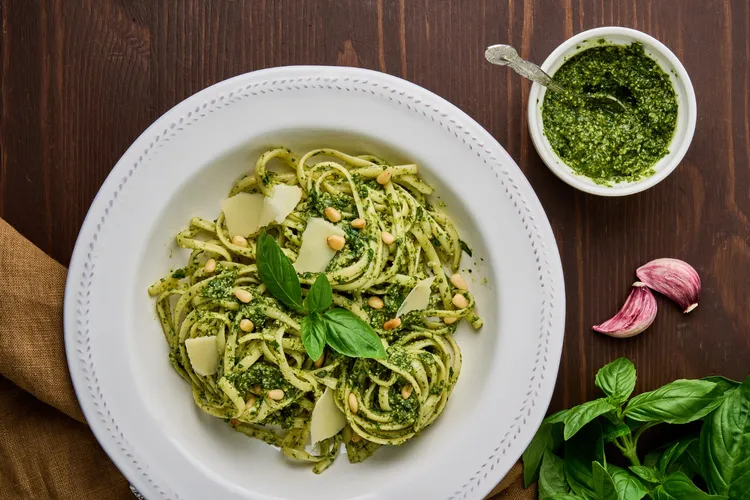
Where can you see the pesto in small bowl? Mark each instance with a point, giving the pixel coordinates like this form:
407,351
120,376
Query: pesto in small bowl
604,146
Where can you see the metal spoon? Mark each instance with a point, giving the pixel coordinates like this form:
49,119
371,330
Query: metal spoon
505,55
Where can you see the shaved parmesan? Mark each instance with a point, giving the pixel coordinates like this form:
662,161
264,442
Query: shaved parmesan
282,201
315,254
418,298
242,213
204,354
327,419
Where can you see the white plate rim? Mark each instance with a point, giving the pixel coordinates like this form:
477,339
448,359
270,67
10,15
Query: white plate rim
415,98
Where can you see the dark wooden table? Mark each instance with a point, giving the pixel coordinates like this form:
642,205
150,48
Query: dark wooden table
82,79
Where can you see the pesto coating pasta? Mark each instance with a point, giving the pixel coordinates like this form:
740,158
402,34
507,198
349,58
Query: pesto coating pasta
265,384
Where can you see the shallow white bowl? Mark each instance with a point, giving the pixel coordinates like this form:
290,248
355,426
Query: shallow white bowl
686,117
142,412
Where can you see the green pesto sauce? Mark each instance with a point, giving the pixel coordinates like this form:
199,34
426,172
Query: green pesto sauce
604,146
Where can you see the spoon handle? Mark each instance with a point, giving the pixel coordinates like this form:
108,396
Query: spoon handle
505,55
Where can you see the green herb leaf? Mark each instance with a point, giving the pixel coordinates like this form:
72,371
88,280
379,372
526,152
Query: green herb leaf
648,474
350,336
672,455
563,496
581,415
314,335
547,438
725,445
679,487
725,384
579,452
558,417
320,296
552,476
612,430
679,402
465,248
628,487
277,272
604,485
617,380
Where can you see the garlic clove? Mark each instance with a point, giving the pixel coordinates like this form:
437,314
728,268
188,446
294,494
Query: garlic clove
674,278
636,314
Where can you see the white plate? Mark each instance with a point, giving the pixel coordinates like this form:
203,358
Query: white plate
140,410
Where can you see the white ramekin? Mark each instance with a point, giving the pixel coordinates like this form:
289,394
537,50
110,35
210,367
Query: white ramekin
686,116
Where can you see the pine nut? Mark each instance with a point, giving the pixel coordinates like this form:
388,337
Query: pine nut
246,325
375,302
332,214
240,241
356,438
256,389
392,323
406,391
384,177
319,362
250,402
210,266
388,238
359,223
459,282
460,301
336,242
449,320
276,394
242,295
353,403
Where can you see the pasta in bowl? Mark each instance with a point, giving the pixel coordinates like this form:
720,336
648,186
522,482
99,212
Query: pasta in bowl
184,166
368,357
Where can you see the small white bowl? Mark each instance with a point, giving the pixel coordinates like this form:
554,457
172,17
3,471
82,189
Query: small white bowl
686,115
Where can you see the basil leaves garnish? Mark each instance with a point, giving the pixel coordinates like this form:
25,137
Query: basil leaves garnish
341,329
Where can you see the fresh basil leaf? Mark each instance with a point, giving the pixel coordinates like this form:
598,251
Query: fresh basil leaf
320,296
725,384
552,476
566,496
277,272
314,335
558,417
547,438
652,458
678,486
672,455
678,402
612,430
628,487
648,474
604,485
617,380
578,453
692,458
725,445
349,335
581,415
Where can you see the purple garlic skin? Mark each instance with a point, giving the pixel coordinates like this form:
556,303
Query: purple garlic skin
674,278
636,314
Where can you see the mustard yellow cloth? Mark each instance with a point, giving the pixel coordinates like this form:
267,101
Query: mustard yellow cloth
46,448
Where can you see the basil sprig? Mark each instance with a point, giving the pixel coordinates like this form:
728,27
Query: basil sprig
567,455
341,329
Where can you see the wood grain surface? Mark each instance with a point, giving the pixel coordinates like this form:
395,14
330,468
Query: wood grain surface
81,80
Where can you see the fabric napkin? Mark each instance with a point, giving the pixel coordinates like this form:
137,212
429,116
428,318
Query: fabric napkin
46,448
